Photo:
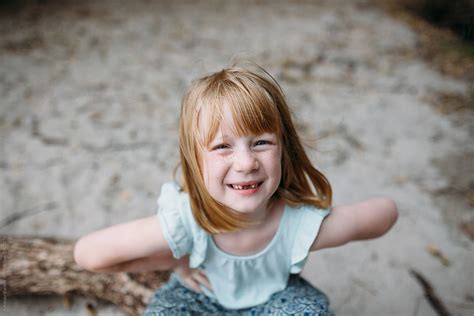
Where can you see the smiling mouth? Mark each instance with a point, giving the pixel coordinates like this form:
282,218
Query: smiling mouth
245,186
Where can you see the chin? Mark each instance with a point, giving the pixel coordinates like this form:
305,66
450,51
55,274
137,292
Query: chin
243,208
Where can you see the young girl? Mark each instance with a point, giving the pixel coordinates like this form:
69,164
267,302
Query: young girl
250,207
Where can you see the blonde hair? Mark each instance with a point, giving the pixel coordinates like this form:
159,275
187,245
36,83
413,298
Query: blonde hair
258,105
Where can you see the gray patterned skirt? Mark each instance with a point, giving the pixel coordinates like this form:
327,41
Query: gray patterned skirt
298,298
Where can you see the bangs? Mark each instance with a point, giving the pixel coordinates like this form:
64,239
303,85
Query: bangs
252,110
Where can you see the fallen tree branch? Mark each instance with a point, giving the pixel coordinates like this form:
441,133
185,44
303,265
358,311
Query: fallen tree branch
46,266
430,294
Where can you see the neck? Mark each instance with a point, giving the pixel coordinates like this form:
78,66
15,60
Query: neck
262,216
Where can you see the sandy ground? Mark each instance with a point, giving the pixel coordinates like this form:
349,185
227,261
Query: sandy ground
88,130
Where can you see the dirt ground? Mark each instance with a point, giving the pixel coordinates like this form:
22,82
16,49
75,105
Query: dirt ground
90,94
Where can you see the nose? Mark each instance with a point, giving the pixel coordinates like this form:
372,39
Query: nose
245,161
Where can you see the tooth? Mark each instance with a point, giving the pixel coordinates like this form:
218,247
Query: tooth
245,187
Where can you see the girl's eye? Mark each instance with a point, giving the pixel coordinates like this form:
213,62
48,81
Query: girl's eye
261,142
220,146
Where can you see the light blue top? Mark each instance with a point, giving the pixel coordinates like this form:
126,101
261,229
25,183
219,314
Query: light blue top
239,281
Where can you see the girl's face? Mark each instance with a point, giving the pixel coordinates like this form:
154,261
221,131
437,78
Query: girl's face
242,172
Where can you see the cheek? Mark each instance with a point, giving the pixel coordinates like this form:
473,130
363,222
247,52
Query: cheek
275,163
214,169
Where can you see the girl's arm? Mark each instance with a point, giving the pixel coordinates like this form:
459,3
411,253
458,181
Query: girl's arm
365,220
134,246
151,263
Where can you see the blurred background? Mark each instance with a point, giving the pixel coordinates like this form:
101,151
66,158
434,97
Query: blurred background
381,90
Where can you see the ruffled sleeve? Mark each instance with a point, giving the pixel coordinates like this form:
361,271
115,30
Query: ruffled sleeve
307,229
171,213
199,251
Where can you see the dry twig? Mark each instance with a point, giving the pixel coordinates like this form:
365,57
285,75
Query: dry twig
430,294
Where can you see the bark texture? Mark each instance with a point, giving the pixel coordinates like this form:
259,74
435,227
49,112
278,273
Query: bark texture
46,266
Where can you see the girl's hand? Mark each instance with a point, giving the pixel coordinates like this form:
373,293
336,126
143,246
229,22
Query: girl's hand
192,277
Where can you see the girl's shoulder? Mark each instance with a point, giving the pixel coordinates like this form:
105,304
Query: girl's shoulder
174,201
304,225
170,193
180,229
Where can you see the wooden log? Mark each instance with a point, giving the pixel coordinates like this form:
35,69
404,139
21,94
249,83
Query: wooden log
46,266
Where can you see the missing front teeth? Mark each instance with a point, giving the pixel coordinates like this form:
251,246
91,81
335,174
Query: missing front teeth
245,187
